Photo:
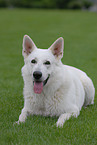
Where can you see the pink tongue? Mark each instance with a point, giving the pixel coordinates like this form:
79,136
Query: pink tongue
38,87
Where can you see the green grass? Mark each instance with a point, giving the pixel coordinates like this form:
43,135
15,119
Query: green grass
79,30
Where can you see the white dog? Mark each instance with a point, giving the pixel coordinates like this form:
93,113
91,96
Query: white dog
51,88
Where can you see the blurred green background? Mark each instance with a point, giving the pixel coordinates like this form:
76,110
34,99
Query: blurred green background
79,30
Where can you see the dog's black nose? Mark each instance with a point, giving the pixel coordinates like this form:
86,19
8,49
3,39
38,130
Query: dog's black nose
37,75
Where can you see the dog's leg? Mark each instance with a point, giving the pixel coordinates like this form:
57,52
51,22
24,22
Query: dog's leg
66,116
23,115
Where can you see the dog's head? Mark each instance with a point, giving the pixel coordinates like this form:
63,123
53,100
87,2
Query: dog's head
41,63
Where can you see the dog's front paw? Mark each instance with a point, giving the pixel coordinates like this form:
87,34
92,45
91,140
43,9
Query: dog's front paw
59,124
62,119
22,118
16,122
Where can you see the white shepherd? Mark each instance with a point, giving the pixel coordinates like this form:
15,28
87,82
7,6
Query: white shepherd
51,88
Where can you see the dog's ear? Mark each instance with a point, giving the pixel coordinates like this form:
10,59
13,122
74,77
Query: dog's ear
57,48
28,46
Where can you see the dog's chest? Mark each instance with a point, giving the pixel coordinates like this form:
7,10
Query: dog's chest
47,105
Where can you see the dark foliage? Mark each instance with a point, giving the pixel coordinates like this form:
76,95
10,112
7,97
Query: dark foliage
57,4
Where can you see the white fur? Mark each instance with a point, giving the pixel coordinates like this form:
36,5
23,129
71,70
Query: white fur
66,91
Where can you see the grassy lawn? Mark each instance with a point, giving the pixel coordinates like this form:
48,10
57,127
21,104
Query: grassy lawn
79,30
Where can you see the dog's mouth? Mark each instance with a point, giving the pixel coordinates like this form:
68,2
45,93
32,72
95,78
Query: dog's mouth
38,85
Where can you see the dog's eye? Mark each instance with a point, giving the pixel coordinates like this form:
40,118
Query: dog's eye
47,63
33,61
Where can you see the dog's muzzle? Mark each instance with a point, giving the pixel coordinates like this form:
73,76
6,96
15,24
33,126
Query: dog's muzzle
38,84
